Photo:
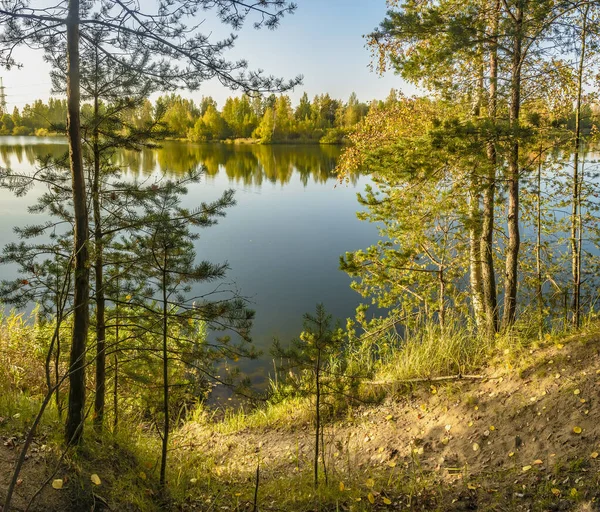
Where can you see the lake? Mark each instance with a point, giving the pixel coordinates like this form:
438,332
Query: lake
282,240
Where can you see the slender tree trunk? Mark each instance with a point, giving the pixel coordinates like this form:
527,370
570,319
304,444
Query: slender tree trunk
488,274
165,437
475,272
538,249
99,402
317,416
442,301
576,187
512,250
76,401
116,369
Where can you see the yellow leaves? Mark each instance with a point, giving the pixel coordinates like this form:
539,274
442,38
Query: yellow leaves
128,297
57,484
576,392
471,486
573,492
371,498
594,455
492,428
555,491
433,389
526,468
559,346
577,430
475,447
95,479
387,501
538,462
511,454
370,483
391,463
342,487
143,475
389,417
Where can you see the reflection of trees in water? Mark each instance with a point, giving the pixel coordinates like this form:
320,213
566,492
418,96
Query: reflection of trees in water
250,165
29,153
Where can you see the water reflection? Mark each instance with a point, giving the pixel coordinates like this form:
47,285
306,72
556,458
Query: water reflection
249,165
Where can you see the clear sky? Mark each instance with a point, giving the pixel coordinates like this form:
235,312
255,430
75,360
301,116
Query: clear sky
323,41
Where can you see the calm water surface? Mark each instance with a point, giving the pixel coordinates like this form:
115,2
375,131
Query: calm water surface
282,240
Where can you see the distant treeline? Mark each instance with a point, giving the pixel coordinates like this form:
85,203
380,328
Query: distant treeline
266,119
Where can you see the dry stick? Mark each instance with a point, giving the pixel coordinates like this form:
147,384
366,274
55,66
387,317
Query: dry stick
29,440
255,508
58,464
21,460
431,379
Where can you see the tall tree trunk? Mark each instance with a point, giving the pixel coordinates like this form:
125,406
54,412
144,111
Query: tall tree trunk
538,249
76,401
99,401
317,416
165,325
512,250
116,366
488,275
576,186
475,273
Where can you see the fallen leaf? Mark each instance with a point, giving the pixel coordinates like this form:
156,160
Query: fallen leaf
594,455
556,491
537,462
471,486
576,392
391,463
95,479
342,487
387,501
371,498
492,428
389,417
57,484
511,454
577,430
475,447
526,468
370,483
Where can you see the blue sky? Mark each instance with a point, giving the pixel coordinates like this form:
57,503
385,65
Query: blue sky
322,41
